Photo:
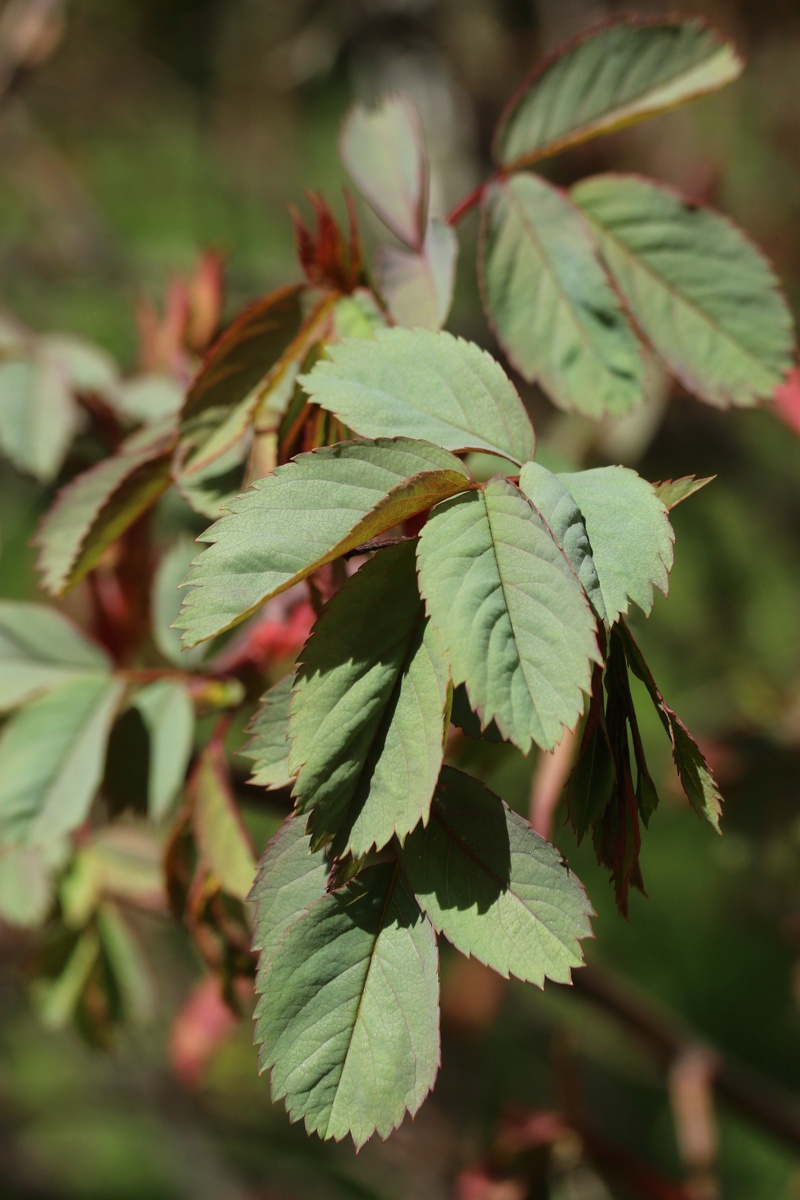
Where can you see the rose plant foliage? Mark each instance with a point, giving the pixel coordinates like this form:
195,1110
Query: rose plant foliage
338,438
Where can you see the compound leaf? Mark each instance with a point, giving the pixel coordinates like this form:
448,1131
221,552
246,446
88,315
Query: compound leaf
608,79
40,649
308,513
417,285
423,384
348,1017
384,154
494,888
550,302
510,613
702,294
268,746
370,710
290,877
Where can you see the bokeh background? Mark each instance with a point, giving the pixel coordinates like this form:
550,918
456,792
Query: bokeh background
133,135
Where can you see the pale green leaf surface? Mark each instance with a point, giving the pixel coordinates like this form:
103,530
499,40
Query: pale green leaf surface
38,415
168,715
612,78
222,839
703,295
150,397
630,535
129,968
165,603
348,1017
498,891
557,505
357,315
423,384
290,877
550,302
52,755
308,513
510,613
383,152
40,649
674,491
210,488
26,886
417,285
370,709
268,746
56,1000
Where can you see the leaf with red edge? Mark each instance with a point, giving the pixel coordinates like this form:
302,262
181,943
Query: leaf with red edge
787,400
328,258
672,492
222,839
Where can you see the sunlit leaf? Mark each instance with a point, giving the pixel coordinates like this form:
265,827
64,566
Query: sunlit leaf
268,746
703,295
550,302
417,285
420,383
348,1017
222,839
494,888
370,710
674,491
290,877
511,615
40,649
611,78
168,714
308,513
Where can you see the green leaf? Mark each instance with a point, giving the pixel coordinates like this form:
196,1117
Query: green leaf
630,535
290,877
370,710
701,293
384,154
558,507
498,891
168,715
417,285
210,488
40,649
128,967
268,746
26,886
510,612
222,840
38,415
348,1016
674,491
306,514
357,315
425,385
165,603
547,296
94,509
609,79
51,760
149,398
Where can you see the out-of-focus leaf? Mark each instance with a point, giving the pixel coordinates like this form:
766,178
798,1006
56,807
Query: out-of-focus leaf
417,285
121,861
498,891
384,154
704,297
787,400
549,300
419,383
674,491
348,1016
26,886
165,603
468,721
357,315
306,514
94,509
629,532
209,489
148,398
268,746
40,649
290,878
222,839
38,415
608,79
129,969
168,714
370,709
511,615
56,1000
51,760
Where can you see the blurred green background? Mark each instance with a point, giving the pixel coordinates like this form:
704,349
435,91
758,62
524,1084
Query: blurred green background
133,134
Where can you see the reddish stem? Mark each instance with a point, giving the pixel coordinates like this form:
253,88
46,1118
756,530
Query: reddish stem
470,201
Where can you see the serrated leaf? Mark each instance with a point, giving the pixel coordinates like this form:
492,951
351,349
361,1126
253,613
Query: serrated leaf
370,710
41,649
51,760
290,877
704,297
423,384
168,715
609,79
498,891
674,491
95,508
510,612
558,507
306,514
383,152
630,535
222,840
268,746
417,285
348,1017
548,298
